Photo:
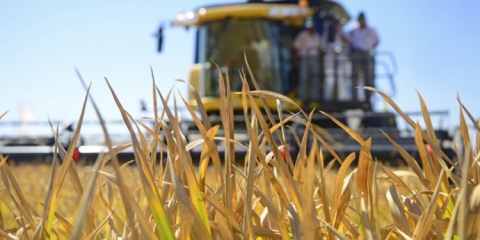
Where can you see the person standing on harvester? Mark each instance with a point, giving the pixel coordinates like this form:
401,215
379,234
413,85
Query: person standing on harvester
308,44
363,40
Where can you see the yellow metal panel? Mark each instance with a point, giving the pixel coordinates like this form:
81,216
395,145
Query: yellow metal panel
194,79
212,104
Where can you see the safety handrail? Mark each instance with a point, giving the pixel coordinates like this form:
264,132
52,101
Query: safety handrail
388,75
343,61
391,57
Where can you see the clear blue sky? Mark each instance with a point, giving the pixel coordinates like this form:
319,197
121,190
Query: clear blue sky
435,44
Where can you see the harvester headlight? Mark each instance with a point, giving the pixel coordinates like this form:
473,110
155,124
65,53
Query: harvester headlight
181,17
275,12
303,10
294,11
288,11
202,11
185,19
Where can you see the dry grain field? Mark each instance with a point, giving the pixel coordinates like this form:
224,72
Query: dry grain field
264,196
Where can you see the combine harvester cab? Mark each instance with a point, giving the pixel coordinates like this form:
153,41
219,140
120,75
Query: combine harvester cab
264,32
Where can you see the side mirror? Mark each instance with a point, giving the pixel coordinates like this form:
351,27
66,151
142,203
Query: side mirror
159,35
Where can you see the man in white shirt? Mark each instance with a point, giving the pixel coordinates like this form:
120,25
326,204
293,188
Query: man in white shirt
363,39
308,44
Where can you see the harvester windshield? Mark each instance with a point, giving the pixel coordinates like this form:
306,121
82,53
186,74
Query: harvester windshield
266,43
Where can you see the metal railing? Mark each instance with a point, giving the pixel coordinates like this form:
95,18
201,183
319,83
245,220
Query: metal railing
338,68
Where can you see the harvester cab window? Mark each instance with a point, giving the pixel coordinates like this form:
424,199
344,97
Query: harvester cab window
265,43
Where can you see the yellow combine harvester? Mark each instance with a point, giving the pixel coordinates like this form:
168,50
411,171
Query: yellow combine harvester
264,31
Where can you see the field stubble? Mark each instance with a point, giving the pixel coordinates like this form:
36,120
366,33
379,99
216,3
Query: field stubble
269,197
33,180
